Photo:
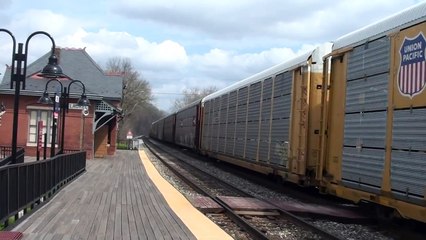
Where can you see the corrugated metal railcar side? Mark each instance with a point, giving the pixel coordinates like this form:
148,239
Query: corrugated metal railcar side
188,126
169,128
160,131
156,130
376,125
153,131
270,122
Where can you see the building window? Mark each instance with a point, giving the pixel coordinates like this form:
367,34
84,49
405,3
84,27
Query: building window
39,115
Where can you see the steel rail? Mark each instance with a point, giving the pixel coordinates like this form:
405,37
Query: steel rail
255,233
297,220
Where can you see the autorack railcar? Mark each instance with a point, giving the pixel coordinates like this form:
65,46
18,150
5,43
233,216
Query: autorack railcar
157,129
375,117
348,118
169,128
269,122
187,130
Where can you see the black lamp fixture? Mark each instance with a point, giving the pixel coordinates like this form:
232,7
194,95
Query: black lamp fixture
83,101
18,76
52,69
45,99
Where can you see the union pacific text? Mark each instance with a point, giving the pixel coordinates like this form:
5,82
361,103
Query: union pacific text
414,51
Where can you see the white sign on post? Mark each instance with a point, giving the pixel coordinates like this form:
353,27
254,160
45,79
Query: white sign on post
129,135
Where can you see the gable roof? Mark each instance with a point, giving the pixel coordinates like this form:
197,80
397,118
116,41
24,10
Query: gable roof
77,65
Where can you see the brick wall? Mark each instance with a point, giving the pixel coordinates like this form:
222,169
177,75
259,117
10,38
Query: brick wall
78,130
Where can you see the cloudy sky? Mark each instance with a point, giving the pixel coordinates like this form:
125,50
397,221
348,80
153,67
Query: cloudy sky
178,44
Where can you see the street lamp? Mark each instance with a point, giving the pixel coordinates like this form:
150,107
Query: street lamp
18,75
65,92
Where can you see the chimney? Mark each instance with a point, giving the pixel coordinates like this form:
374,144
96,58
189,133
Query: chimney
58,54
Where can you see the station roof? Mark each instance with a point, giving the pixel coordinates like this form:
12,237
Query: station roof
77,65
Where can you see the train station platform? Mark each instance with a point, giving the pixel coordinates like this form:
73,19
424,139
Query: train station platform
120,197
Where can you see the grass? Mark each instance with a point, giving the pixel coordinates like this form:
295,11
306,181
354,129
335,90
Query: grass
12,219
122,146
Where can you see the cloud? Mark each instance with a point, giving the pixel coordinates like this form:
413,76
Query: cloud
45,20
222,19
230,66
32,20
218,67
290,20
5,4
104,44
165,55
182,44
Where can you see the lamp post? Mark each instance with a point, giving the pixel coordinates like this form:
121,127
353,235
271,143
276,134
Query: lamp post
63,103
18,76
2,111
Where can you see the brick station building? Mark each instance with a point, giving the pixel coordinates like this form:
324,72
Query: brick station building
94,131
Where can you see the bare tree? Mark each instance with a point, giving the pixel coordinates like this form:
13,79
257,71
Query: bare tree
143,119
136,92
191,95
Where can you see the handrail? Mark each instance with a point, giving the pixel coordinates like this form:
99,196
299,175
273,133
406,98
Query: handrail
6,155
24,185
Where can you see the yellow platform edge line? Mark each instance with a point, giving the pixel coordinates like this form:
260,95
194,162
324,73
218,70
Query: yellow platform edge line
200,225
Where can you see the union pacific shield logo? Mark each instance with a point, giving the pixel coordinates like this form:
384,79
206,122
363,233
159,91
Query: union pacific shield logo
412,69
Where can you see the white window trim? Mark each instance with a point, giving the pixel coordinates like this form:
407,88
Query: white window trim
35,145
38,108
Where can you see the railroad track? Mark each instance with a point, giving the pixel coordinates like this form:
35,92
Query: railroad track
258,227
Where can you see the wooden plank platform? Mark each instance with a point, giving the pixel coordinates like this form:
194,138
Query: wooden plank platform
114,199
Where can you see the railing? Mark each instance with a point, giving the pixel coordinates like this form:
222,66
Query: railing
6,152
129,144
22,186
71,150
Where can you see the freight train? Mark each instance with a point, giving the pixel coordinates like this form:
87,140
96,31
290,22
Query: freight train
348,117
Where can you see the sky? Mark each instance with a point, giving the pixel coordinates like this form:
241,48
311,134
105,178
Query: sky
181,44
